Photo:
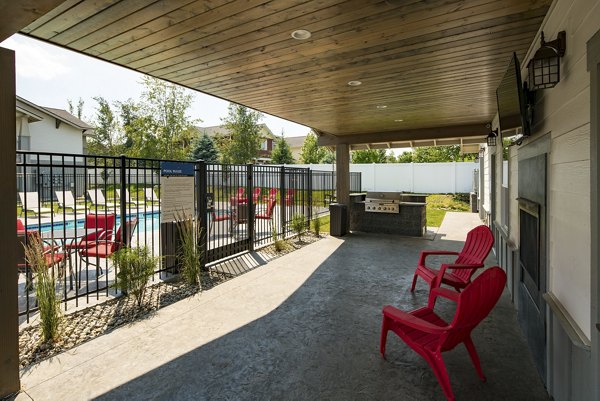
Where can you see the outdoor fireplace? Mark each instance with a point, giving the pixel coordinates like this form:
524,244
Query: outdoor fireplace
529,242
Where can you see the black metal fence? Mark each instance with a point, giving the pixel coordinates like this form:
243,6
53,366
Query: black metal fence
76,204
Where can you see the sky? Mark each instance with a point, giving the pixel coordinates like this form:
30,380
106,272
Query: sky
48,76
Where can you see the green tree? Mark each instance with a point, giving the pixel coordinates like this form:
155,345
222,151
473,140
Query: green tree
77,111
205,149
164,108
282,154
369,156
329,157
106,139
244,139
311,152
138,142
406,157
436,154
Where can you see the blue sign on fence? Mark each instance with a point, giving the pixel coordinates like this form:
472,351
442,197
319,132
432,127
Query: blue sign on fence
177,169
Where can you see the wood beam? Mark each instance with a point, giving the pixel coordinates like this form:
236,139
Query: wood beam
16,15
9,319
457,131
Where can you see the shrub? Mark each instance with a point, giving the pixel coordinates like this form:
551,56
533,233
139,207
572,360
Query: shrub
45,289
299,225
135,267
317,225
279,244
189,252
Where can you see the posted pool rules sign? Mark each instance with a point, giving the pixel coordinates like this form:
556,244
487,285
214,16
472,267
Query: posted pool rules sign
176,190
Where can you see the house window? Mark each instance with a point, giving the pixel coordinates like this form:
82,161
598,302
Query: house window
264,145
23,142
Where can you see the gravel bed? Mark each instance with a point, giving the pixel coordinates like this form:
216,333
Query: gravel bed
89,323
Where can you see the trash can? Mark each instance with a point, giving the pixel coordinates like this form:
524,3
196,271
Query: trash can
473,202
338,219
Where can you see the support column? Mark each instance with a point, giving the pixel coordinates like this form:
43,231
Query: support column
9,322
342,171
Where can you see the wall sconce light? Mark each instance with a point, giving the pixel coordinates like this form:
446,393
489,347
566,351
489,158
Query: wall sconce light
491,138
544,67
481,152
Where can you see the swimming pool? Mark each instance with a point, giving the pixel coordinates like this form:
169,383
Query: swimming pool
147,221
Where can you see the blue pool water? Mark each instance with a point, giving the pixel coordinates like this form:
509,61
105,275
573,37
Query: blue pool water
148,221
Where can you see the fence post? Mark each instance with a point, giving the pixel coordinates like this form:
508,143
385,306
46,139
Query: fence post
310,197
250,203
282,200
201,208
123,202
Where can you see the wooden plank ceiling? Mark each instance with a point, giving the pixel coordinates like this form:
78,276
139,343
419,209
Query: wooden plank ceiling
432,63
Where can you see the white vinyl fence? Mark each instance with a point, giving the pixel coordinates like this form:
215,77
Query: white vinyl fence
412,177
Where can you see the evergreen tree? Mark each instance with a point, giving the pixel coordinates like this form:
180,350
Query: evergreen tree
282,154
206,150
311,152
244,139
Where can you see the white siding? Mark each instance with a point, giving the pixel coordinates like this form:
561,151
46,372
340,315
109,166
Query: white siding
46,138
564,113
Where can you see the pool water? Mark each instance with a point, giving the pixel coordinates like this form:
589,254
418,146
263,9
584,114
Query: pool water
146,222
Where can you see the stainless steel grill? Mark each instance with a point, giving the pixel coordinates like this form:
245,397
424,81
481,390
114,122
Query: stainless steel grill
383,202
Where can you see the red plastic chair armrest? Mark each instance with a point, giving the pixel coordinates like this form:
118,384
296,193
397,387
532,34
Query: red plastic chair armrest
424,254
411,321
445,293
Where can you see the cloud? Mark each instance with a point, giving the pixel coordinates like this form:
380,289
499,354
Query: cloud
36,61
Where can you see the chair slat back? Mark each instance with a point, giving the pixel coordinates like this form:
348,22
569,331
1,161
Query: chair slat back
477,246
104,221
475,302
130,227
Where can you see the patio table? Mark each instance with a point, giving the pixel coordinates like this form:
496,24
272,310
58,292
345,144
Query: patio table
72,235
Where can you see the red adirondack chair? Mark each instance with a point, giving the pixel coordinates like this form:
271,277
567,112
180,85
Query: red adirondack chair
477,247
272,195
267,214
256,195
429,335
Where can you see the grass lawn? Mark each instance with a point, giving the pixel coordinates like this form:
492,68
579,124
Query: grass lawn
324,224
438,205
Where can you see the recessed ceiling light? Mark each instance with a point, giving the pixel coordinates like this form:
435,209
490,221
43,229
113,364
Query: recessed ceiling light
354,83
381,106
399,120
301,34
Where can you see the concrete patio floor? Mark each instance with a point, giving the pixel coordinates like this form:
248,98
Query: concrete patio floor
302,327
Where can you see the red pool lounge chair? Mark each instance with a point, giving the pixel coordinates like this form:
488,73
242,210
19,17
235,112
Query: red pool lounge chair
429,335
457,274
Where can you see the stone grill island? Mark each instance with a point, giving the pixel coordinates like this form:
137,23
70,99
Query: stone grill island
388,213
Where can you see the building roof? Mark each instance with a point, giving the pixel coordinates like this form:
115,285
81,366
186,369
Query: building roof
295,141
59,114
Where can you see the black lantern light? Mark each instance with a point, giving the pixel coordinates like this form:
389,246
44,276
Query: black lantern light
544,67
491,138
481,152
